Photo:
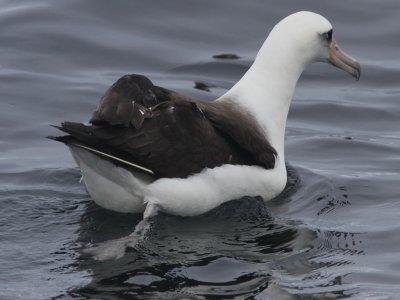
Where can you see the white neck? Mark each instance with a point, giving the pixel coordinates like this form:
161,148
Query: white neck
267,88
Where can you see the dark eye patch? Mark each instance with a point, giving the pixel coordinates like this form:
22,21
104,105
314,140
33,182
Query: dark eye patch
328,35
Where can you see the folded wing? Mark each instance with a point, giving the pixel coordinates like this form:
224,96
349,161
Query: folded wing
167,133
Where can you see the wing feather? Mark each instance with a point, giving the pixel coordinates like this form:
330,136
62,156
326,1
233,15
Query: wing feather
169,134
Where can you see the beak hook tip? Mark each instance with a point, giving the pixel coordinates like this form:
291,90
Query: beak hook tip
358,74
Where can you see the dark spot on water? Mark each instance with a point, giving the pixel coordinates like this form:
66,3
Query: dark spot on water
202,86
226,56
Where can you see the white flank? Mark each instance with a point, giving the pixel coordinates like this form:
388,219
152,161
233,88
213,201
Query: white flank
110,186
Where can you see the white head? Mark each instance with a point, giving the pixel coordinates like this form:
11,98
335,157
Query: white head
303,38
267,88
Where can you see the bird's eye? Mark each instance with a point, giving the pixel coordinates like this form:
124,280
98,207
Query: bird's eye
328,35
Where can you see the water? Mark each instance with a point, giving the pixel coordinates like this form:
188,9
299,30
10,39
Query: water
334,233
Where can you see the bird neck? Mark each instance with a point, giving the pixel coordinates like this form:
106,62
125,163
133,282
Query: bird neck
267,88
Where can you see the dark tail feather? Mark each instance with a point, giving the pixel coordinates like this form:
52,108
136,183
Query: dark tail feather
81,136
79,131
66,139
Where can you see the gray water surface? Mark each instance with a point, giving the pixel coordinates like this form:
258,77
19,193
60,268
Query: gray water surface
333,233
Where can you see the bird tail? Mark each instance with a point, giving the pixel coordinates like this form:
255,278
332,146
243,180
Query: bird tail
80,135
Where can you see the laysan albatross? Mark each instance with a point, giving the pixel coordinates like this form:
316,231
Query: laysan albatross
148,148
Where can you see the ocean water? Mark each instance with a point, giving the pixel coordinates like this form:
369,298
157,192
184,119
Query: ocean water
333,233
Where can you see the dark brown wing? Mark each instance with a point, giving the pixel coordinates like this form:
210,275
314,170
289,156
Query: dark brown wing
170,136
235,121
121,104
176,141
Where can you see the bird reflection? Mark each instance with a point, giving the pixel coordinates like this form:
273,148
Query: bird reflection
263,253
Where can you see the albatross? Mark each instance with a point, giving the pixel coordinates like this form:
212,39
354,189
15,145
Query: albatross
147,148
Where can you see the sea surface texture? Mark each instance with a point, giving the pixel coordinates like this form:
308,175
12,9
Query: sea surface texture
333,233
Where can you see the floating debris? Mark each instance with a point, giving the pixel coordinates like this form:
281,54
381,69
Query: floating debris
202,86
226,56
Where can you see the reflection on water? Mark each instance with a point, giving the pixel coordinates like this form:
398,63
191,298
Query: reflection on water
240,248
334,231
